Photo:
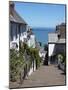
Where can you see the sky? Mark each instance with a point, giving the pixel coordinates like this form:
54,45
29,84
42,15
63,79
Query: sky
41,15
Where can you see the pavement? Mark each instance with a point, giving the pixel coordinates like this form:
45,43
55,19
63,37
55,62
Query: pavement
44,76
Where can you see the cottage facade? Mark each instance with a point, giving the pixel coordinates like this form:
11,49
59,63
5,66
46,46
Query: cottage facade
56,42
20,31
17,27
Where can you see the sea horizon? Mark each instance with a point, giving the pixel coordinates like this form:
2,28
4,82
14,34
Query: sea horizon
43,27
42,34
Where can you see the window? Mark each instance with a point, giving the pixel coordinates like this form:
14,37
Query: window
16,31
19,30
11,31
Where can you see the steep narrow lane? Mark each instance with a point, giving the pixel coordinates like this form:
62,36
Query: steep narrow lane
45,76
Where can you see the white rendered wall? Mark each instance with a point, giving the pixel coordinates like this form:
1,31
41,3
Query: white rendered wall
31,41
50,49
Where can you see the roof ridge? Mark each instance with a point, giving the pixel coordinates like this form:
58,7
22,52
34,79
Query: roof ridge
19,16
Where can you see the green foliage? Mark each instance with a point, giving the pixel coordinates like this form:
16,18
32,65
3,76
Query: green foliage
16,62
34,53
62,57
35,56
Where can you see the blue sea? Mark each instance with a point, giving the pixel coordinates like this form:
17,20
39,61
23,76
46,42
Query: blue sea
42,34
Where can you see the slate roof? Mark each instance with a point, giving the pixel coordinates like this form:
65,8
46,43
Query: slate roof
16,18
52,38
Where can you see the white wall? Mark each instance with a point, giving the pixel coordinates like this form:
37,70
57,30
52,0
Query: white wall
50,49
31,41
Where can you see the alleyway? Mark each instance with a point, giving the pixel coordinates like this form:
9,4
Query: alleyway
45,76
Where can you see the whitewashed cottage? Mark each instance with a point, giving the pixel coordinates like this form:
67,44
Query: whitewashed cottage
31,39
17,27
20,31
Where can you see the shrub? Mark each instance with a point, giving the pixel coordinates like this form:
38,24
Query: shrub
35,56
62,57
16,62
